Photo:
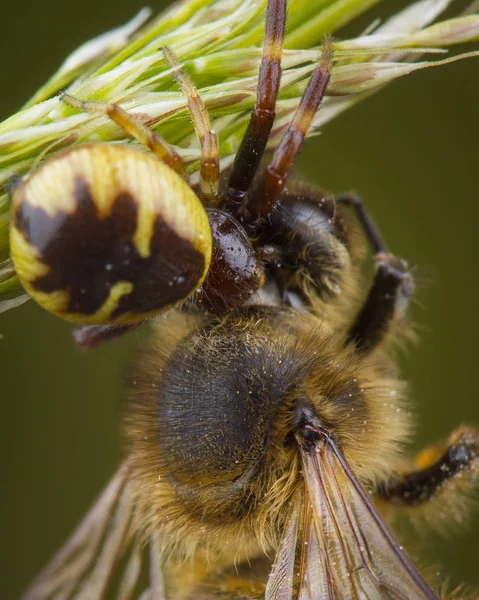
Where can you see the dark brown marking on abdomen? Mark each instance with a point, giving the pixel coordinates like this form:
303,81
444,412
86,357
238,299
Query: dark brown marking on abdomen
87,255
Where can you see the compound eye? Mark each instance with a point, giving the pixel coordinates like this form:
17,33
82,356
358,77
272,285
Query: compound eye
107,234
215,399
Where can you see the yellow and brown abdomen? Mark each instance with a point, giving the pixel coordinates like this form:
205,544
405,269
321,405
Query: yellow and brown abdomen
105,233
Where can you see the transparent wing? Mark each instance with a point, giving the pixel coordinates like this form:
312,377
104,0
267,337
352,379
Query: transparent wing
280,582
86,566
343,550
359,557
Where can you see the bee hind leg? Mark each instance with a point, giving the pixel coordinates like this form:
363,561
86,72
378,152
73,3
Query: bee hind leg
446,468
390,292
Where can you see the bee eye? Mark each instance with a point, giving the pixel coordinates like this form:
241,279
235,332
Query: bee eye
225,390
108,234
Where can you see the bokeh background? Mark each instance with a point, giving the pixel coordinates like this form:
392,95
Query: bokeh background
411,151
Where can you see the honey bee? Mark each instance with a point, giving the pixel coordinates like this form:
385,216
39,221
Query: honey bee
265,418
262,432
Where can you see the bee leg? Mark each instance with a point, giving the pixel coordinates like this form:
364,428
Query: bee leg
390,292
371,231
210,164
92,336
385,304
437,469
254,142
134,126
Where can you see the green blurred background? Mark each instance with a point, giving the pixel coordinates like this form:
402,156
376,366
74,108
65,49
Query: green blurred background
411,151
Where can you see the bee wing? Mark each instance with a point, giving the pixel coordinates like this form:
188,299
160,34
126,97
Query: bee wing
351,554
346,550
84,566
280,582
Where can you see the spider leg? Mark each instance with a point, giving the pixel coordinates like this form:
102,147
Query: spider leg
92,336
134,127
390,292
253,145
210,166
436,469
274,178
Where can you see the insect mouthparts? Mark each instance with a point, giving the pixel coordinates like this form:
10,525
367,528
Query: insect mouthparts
306,427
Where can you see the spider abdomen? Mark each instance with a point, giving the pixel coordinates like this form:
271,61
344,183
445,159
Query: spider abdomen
107,234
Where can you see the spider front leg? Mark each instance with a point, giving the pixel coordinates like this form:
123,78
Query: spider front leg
250,206
450,468
89,337
390,292
210,165
263,199
209,171
253,145
134,127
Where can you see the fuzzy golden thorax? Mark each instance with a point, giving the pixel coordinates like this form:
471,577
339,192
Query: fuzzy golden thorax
209,423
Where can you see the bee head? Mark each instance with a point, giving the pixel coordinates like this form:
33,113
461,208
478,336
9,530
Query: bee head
218,409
